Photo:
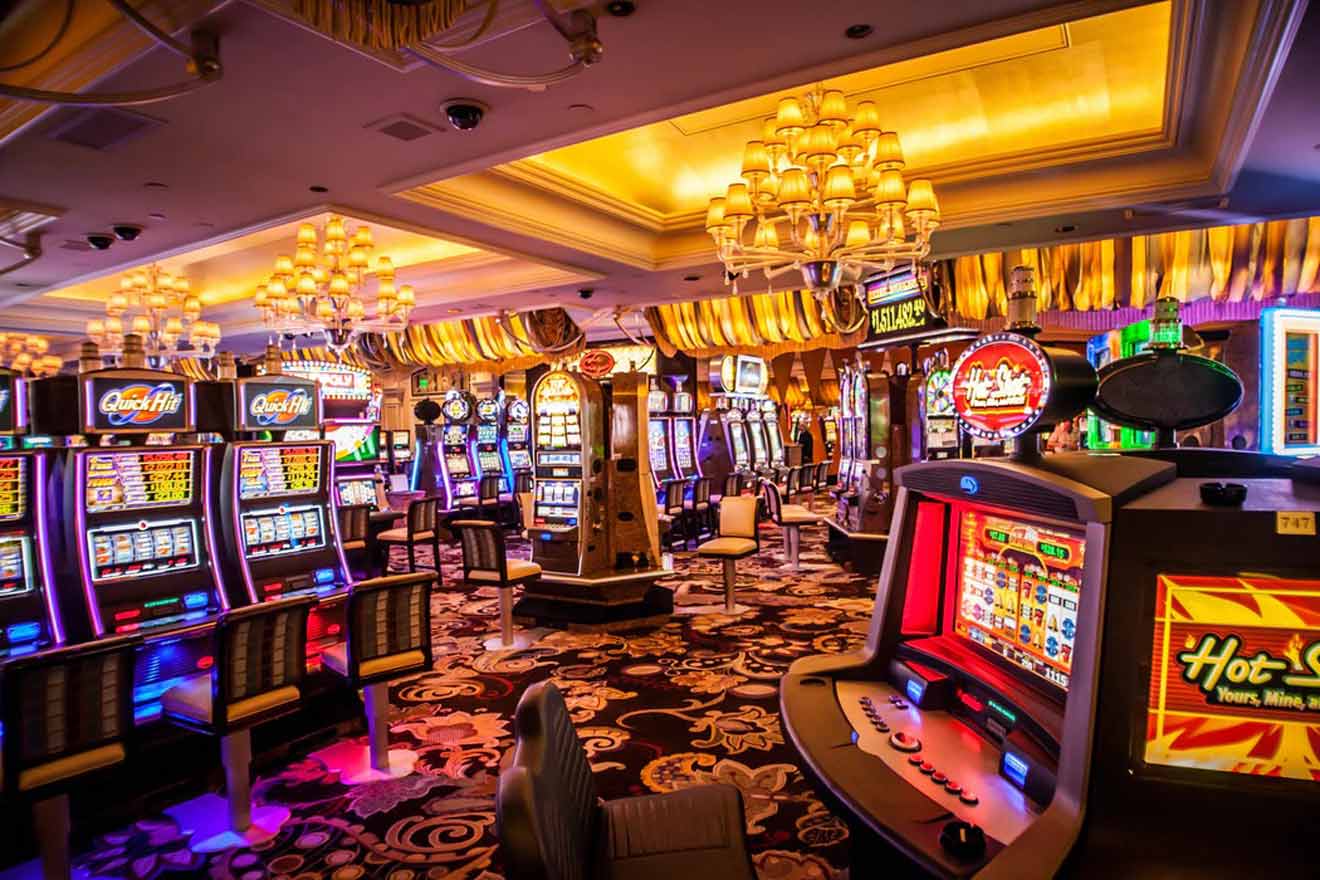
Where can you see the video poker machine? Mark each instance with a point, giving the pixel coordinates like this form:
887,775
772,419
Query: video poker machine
658,440
458,476
518,434
400,450
1081,664
486,444
683,434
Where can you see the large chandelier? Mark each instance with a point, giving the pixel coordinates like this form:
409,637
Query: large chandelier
161,308
320,288
822,191
28,354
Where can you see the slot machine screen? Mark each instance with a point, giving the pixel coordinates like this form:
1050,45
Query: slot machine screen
738,434
1018,584
13,488
402,443
457,465
758,441
658,441
683,444
488,433
517,432
147,547
1235,674
357,492
455,435
15,565
520,459
138,480
490,462
278,471
283,530
301,435
355,443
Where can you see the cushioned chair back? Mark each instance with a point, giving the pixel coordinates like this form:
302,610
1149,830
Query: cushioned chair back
673,497
732,486
774,503
389,616
63,702
258,649
488,489
483,547
522,481
545,809
701,491
738,517
793,485
353,522
421,516
822,475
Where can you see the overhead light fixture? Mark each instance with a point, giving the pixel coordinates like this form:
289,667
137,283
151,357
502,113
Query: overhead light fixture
160,307
28,354
822,191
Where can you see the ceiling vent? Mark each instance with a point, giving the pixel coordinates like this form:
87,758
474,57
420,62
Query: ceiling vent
403,127
99,128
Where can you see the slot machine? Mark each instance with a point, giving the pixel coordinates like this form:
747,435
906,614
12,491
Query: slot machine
939,423
459,476
139,550
760,445
662,462
568,533
1290,381
774,439
683,436
400,443
735,429
846,427
829,429
29,614
517,431
486,443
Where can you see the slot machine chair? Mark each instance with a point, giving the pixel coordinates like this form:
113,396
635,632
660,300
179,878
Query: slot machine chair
670,513
389,638
486,563
698,508
738,538
46,756
420,527
354,528
552,825
488,498
790,518
260,660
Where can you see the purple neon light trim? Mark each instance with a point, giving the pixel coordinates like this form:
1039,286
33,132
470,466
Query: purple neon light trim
43,550
334,514
80,525
20,402
237,451
210,530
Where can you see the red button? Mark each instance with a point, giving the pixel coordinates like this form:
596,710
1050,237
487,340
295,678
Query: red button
914,760
969,799
927,767
952,787
938,778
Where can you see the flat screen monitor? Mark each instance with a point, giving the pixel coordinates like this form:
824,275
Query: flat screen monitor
490,462
658,439
138,480
1018,584
520,459
1235,676
355,442
683,444
401,441
357,491
455,435
278,471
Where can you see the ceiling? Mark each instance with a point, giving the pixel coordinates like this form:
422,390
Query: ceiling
1032,117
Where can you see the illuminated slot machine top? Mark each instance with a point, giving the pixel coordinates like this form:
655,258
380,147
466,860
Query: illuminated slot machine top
487,441
459,477
684,436
657,436
557,409
518,434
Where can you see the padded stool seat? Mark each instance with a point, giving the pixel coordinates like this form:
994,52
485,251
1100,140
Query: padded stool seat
797,514
697,832
735,548
738,538
335,658
191,699
790,518
400,535
519,570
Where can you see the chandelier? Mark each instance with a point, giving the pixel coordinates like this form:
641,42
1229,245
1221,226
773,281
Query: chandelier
27,354
822,191
162,309
320,288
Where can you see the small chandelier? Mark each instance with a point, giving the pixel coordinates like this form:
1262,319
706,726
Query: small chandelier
162,309
822,191
27,354
320,287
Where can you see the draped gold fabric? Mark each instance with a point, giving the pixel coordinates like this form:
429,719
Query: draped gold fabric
321,353
1252,261
492,344
765,324
378,24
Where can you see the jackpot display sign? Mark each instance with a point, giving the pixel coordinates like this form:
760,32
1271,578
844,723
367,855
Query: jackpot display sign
1001,386
278,471
138,480
267,405
896,308
1235,676
137,405
13,487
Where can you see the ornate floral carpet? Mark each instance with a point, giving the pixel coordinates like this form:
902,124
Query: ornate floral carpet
693,701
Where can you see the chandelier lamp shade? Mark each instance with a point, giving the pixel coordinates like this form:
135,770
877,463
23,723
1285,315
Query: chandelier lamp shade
822,191
28,355
322,286
161,308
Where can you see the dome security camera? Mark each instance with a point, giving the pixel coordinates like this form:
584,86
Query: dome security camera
101,241
586,292
126,231
464,114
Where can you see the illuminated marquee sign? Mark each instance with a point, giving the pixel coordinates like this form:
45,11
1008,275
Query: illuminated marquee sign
1235,676
896,308
1001,386
337,381
135,405
278,405
596,363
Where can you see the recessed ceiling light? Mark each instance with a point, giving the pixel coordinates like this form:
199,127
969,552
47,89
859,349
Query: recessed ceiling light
317,188
156,215
24,284
1065,228
155,184
691,277
858,31
455,311
1004,223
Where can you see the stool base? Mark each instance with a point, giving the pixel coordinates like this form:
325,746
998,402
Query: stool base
521,640
206,820
353,762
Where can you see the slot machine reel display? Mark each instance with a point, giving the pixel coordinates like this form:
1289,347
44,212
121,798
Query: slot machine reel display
518,432
460,478
683,435
487,441
401,451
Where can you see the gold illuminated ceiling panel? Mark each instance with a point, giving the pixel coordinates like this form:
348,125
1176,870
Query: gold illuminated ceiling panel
1094,84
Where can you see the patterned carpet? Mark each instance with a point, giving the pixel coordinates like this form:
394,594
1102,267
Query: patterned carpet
658,709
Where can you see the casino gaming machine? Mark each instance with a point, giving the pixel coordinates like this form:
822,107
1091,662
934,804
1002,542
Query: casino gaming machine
139,552
486,443
657,437
940,438
518,432
401,452
29,614
683,434
459,477
1079,664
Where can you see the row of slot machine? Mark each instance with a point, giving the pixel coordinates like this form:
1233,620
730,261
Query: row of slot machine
158,540
475,438
741,436
672,436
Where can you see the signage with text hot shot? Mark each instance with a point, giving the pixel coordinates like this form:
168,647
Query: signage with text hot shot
1001,385
128,405
1235,676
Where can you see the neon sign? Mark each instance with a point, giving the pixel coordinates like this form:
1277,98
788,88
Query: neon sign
337,381
1001,385
280,406
140,404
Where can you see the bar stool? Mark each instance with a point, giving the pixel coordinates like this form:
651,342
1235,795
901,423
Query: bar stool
697,510
67,713
420,528
354,525
738,538
389,637
793,484
487,564
670,512
260,659
487,499
522,485
790,518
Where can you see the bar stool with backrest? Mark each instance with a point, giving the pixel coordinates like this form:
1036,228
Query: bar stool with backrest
738,538
487,499
420,528
487,564
793,484
354,527
790,518
552,824
670,510
260,656
697,510
67,714
522,485
389,638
